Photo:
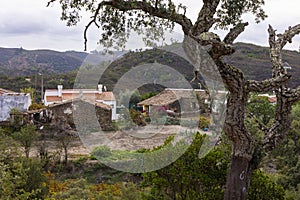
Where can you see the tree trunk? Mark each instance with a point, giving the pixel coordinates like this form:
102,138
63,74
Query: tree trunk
27,150
243,145
66,154
238,179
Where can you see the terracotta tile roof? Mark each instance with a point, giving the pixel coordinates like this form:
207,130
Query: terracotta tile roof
69,96
272,99
169,96
103,105
53,99
91,95
106,96
97,104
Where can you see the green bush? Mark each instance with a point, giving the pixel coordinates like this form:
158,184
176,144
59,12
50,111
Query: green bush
101,152
190,177
263,188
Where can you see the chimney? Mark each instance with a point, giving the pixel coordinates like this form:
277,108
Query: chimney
100,88
60,88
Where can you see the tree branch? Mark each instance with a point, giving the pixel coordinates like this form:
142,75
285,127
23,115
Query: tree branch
235,32
261,126
266,85
49,2
288,35
205,17
146,7
285,96
93,21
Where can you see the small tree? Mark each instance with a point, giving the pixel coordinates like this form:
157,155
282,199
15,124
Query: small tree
20,178
26,137
16,119
64,141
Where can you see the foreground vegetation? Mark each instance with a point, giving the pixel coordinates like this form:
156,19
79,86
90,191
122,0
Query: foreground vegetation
45,176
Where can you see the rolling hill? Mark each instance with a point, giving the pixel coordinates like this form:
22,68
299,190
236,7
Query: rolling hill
16,64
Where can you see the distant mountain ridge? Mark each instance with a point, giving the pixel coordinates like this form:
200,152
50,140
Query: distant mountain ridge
253,60
21,62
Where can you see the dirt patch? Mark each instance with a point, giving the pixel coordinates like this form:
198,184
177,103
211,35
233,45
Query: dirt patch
139,138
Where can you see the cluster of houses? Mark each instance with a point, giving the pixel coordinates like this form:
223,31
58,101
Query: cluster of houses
59,103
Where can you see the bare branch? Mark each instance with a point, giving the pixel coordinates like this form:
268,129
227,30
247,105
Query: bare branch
218,48
93,21
49,2
272,34
235,32
205,17
288,35
266,85
273,137
285,96
276,45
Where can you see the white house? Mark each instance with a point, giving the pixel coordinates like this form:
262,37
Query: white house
60,95
12,100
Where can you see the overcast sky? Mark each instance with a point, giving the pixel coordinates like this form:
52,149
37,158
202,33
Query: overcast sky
31,25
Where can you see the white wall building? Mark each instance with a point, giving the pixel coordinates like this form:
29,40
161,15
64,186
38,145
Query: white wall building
12,100
60,95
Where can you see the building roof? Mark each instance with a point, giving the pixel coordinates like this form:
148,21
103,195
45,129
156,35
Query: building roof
69,94
272,99
4,91
53,99
97,104
170,95
106,96
103,105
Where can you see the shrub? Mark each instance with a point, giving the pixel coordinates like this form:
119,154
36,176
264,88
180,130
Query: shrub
263,188
102,152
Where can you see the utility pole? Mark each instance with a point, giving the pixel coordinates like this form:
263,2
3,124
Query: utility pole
42,88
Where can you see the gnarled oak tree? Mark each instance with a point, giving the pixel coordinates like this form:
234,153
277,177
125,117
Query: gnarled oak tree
117,18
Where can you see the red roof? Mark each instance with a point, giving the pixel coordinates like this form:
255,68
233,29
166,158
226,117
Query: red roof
106,96
85,94
272,99
53,99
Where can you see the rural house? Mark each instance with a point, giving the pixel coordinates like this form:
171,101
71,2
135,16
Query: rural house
61,116
60,95
176,100
12,100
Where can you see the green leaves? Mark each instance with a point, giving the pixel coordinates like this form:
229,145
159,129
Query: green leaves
190,177
263,188
20,178
231,11
26,136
